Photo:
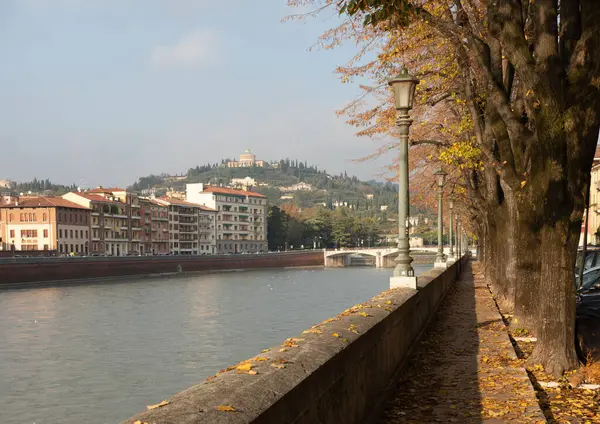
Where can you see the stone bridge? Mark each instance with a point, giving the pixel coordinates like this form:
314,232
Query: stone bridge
384,256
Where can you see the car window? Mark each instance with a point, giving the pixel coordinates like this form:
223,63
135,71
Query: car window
590,278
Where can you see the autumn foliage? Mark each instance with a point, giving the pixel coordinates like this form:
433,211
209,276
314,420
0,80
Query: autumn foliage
508,103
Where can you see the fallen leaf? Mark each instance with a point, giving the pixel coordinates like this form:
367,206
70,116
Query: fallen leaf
244,367
225,408
523,183
158,405
140,422
252,372
388,302
264,350
283,349
260,358
279,366
364,314
335,335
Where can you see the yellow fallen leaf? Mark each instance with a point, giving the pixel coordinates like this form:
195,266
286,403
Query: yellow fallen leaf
364,314
158,405
140,422
388,302
260,358
252,372
335,335
283,349
226,408
279,366
523,183
264,350
244,367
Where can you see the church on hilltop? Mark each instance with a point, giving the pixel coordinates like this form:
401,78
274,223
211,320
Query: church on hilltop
247,160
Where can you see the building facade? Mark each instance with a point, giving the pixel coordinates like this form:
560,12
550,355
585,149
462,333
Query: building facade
593,227
191,227
45,223
241,223
247,160
155,227
110,222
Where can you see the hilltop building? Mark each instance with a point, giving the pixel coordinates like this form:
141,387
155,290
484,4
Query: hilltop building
301,186
241,217
247,159
243,183
44,223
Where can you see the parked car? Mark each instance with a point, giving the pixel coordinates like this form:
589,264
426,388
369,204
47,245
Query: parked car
588,314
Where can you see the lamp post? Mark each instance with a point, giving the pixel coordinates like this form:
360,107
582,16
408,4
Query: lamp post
458,240
451,253
456,236
440,176
403,87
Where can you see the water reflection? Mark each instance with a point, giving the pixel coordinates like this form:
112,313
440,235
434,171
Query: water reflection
101,352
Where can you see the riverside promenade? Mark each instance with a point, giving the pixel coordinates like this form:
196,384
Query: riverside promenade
465,369
437,354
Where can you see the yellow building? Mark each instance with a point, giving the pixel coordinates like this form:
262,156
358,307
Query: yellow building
247,160
45,223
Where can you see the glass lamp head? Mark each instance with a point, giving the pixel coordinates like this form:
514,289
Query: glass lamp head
403,86
440,177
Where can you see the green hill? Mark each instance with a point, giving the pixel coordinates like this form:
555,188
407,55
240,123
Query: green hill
327,189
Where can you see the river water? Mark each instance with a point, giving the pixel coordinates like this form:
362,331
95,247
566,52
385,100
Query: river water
101,352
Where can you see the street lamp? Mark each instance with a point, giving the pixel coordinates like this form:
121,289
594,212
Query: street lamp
403,87
456,236
451,253
440,177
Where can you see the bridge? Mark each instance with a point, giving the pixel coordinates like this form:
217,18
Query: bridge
384,256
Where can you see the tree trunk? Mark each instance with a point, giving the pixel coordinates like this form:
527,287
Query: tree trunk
555,348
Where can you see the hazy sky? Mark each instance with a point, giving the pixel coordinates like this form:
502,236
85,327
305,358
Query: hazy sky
106,91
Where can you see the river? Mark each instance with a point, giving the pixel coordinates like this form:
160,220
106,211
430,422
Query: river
101,352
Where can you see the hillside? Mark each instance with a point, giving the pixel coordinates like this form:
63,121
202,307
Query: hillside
326,189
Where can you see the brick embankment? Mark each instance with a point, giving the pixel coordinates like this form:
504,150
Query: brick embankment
465,369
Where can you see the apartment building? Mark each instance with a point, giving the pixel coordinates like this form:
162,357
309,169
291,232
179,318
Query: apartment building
241,224
45,223
110,221
191,227
155,227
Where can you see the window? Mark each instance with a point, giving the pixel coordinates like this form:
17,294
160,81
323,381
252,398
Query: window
12,233
21,217
81,233
71,232
31,217
46,235
45,247
60,233
86,234
71,248
45,217
10,217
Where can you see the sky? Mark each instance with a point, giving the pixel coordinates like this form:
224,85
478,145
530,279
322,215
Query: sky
101,92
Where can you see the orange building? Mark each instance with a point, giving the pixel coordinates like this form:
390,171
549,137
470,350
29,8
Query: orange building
45,223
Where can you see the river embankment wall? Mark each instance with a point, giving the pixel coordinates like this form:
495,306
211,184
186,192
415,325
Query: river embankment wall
340,371
20,271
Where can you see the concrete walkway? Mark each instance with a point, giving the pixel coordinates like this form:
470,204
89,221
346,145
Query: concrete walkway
465,370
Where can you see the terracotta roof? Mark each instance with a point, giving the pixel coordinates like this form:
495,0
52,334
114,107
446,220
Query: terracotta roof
223,190
95,197
597,154
180,202
44,202
108,190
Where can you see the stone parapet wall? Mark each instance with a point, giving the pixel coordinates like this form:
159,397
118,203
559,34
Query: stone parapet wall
340,371
44,270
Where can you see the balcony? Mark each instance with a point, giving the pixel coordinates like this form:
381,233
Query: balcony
94,213
124,227
136,217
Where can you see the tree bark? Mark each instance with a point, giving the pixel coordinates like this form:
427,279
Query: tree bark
555,348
